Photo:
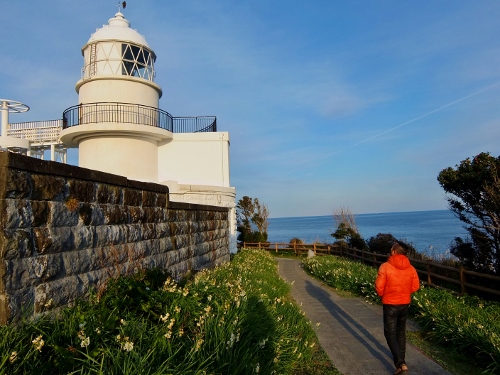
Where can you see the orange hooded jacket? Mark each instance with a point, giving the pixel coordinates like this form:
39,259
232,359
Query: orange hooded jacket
397,279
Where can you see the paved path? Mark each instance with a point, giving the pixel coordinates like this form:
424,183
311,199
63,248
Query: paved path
351,330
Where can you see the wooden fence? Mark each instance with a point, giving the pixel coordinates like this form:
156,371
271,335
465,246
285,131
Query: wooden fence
456,279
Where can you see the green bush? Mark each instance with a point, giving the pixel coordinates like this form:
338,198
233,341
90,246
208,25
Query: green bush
236,319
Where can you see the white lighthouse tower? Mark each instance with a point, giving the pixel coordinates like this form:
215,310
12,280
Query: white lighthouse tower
119,124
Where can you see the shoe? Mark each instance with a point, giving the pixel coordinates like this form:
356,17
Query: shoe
401,370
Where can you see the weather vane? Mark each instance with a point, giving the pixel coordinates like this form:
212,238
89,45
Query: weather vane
122,5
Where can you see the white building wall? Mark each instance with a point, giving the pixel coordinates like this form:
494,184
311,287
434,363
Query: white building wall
195,159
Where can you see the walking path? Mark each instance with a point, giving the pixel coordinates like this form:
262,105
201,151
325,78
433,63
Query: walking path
350,330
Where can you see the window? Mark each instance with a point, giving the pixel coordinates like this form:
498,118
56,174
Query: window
137,62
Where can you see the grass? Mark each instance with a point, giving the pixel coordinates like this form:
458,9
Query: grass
459,332
236,319
452,360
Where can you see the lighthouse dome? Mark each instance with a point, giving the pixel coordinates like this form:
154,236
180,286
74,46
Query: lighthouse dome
118,28
117,50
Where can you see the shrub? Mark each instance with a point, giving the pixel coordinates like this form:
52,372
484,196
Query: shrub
236,319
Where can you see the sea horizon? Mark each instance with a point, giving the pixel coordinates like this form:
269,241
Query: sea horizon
369,213
430,231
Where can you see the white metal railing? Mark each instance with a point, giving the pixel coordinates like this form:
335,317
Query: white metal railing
37,131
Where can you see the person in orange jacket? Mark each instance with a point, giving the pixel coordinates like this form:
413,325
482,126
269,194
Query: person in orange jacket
396,280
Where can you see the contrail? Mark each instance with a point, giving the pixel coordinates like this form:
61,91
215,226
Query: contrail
397,127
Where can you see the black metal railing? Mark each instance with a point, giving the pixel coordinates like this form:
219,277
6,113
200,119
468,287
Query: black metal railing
93,113
195,124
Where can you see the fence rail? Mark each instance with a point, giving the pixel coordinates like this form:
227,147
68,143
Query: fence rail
455,279
36,131
102,112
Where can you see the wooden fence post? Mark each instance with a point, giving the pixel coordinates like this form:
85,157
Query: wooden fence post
428,267
259,245
462,280
276,246
295,247
244,245
314,247
328,249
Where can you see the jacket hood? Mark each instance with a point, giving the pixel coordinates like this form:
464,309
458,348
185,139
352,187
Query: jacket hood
400,261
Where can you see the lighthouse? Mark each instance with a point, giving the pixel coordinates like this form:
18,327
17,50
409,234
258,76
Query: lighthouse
117,126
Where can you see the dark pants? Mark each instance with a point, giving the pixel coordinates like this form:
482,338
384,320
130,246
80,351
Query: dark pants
395,331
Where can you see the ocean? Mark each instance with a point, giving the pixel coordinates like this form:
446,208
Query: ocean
430,232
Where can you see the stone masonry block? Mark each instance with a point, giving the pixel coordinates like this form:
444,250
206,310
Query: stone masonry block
193,226
172,258
137,215
182,241
106,235
62,216
16,243
182,228
156,261
46,267
82,236
57,293
17,184
161,200
20,304
15,214
132,197
97,215
40,211
185,253
115,214
162,230
165,244
108,194
42,239
148,198
92,214
19,274
172,216
134,233
83,191
48,188
80,261
155,247
61,238
148,231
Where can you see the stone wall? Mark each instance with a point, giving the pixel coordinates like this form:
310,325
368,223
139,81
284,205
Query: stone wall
65,229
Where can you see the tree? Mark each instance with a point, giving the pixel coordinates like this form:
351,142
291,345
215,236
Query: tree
347,230
473,189
252,211
382,244
260,216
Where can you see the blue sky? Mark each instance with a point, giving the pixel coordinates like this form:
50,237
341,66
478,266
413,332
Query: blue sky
328,103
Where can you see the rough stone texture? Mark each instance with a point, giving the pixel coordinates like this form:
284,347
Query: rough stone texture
65,229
